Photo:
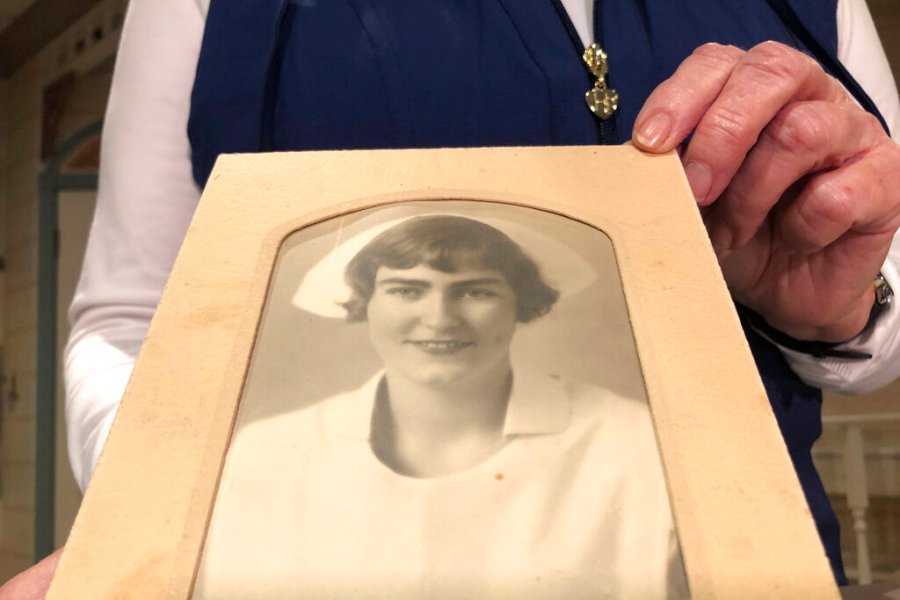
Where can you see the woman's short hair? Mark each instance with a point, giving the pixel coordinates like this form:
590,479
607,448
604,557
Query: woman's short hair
448,243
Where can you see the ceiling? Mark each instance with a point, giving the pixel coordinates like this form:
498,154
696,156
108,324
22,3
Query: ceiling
26,26
10,9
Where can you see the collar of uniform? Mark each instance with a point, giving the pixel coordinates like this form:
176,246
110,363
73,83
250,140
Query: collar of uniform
350,414
538,405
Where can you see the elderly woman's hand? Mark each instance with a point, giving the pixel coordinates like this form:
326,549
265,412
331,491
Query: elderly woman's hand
799,187
33,583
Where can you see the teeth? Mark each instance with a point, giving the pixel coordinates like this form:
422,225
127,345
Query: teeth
442,345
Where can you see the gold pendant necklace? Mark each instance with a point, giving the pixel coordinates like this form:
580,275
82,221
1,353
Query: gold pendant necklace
602,101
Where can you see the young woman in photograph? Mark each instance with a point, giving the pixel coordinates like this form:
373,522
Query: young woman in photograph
452,472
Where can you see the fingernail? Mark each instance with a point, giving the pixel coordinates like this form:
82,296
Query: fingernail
700,178
721,239
654,131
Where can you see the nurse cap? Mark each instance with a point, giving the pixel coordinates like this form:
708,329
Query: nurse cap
324,292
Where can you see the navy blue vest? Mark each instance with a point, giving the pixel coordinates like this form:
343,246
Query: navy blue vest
353,74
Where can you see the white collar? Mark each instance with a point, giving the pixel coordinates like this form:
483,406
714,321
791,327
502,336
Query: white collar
538,405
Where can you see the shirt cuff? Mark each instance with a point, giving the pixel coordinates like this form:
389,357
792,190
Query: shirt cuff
880,339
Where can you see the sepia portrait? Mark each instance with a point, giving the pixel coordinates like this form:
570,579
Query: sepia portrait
444,400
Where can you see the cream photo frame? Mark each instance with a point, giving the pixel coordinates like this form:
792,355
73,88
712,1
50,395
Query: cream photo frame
742,522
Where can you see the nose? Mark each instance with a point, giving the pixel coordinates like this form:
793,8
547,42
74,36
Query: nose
439,312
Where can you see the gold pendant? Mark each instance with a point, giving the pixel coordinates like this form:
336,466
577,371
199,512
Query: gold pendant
602,101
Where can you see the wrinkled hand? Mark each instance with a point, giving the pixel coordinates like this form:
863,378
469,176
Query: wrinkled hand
798,186
33,583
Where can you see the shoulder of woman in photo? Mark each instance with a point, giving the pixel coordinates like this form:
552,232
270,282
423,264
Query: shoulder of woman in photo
578,406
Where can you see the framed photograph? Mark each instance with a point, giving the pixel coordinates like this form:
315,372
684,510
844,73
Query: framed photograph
494,372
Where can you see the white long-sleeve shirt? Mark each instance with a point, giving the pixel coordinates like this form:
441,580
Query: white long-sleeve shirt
147,196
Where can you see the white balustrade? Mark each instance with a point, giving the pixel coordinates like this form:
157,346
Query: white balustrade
853,457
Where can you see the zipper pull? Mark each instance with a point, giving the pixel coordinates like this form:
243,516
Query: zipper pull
602,101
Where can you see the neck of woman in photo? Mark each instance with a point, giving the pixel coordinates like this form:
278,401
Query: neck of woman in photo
428,431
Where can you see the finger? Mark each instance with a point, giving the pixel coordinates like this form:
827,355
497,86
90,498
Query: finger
804,138
33,583
768,77
676,105
826,296
858,204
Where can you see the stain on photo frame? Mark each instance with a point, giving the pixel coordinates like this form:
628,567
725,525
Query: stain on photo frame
444,400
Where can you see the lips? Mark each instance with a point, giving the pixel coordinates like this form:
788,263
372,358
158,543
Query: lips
440,346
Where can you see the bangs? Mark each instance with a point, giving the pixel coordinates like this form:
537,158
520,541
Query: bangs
448,244
440,255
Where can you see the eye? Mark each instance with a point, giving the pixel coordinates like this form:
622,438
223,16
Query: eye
479,293
405,292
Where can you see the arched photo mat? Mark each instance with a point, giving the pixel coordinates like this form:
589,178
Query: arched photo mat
742,521
308,361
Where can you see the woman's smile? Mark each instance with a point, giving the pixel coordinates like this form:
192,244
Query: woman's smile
440,346
442,329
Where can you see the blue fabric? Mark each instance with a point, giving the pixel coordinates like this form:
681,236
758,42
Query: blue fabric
352,74
798,411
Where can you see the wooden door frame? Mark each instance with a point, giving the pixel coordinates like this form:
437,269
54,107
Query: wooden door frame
52,181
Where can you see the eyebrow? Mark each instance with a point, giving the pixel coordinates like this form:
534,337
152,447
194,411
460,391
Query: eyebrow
424,283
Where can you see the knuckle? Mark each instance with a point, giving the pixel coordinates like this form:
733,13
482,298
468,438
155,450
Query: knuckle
771,62
818,219
868,122
717,56
832,201
799,128
772,47
870,134
801,232
728,128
